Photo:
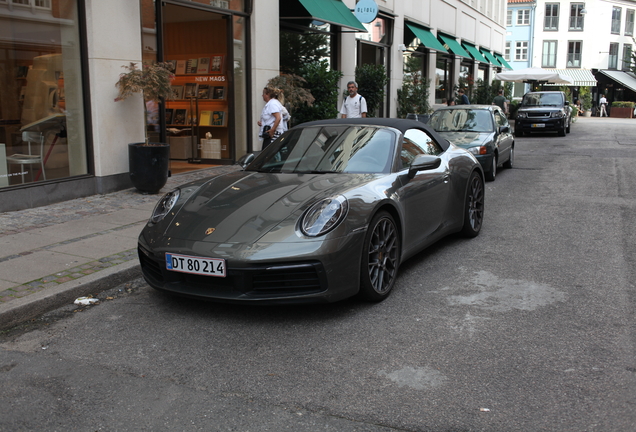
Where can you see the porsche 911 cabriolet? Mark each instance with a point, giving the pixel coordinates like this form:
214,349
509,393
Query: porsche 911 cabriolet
327,211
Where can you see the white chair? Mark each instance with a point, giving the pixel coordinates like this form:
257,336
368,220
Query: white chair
31,158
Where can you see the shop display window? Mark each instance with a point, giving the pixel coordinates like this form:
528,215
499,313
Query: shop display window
42,135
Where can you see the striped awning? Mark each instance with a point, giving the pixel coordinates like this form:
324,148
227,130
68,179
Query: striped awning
581,77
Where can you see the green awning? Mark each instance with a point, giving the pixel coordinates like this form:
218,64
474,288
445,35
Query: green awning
451,44
491,58
472,49
503,61
329,11
427,38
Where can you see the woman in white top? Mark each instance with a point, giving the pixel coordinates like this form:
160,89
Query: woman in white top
271,121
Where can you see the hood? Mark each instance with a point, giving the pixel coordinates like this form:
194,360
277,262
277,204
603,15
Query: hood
243,206
467,139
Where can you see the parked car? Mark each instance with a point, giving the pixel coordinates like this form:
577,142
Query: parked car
483,130
327,211
543,111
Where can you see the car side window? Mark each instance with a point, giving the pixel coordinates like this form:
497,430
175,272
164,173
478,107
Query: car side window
417,142
500,119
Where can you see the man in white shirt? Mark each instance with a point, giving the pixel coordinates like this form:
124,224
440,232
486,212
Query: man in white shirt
603,103
354,106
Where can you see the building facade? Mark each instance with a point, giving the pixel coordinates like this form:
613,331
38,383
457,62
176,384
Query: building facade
60,60
592,42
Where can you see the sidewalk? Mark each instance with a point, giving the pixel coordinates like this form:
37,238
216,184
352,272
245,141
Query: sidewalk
51,255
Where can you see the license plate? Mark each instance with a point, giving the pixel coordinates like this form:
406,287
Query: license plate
538,125
196,265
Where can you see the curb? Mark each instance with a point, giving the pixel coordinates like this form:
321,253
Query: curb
23,309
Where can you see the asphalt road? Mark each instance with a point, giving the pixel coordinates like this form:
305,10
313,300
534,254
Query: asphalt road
528,327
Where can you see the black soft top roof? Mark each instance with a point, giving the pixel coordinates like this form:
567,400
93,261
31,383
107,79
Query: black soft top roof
400,124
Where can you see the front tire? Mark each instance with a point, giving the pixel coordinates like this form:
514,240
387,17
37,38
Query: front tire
380,258
474,206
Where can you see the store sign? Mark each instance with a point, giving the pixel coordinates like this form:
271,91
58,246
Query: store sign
210,78
224,4
366,11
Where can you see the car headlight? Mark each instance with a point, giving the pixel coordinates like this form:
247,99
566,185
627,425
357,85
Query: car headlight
324,216
165,204
558,114
477,150
522,114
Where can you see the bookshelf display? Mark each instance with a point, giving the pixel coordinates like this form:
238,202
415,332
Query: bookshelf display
199,106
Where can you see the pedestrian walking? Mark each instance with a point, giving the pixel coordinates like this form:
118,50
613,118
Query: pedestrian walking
271,121
603,106
354,105
463,99
501,102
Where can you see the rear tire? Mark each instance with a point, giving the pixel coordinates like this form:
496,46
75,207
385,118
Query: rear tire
511,159
380,258
474,206
492,174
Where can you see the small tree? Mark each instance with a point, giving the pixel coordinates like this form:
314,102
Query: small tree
585,95
371,81
295,95
413,96
323,83
153,82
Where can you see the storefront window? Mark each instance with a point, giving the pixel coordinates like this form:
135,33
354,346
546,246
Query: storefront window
42,131
235,5
442,80
205,119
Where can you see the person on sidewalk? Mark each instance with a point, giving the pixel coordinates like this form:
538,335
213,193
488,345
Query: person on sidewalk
463,99
603,106
354,105
500,100
271,126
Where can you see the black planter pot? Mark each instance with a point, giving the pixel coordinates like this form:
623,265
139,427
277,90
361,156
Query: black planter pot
149,166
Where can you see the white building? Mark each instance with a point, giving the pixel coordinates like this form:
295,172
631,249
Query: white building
61,58
590,41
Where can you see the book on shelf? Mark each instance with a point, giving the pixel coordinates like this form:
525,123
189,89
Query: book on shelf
177,92
216,64
203,91
190,90
219,92
204,65
218,118
191,66
169,115
181,67
180,117
204,119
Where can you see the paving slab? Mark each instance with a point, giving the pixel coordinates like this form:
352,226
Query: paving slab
97,247
37,265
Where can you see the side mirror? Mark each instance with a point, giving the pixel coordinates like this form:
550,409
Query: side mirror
245,160
567,102
504,129
424,163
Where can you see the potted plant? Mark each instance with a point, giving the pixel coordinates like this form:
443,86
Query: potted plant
149,163
622,109
586,101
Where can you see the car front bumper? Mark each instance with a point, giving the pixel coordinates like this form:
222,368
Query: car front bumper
540,124
302,272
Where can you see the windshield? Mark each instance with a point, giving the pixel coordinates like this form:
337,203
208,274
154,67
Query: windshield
462,120
542,99
329,149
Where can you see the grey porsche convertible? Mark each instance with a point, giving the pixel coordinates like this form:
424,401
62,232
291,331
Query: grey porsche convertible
327,211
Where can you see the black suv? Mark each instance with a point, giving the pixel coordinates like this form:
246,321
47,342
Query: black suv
543,111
